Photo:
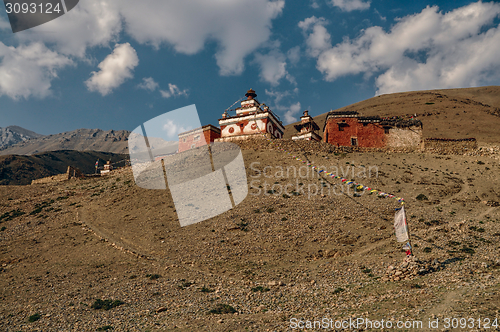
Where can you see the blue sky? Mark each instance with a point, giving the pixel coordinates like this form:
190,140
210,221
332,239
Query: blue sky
115,64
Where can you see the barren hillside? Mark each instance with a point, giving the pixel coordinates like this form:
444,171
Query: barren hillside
309,253
21,170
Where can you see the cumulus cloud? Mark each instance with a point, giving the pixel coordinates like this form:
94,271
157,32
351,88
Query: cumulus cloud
186,26
318,38
173,129
239,27
173,91
272,66
281,103
28,70
426,50
91,23
148,83
350,5
292,111
115,69
293,55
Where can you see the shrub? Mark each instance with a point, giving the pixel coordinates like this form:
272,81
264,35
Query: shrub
153,276
477,229
11,215
422,197
427,249
34,318
105,328
260,289
243,225
185,284
222,309
467,250
338,290
206,290
106,304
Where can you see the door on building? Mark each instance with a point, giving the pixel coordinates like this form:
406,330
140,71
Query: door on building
354,141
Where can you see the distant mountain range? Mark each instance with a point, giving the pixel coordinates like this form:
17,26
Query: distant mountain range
16,140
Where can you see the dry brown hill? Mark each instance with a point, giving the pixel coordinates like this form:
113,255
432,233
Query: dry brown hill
449,113
21,170
275,257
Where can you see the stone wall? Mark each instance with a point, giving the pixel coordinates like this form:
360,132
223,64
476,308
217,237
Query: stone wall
50,179
71,172
407,138
450,146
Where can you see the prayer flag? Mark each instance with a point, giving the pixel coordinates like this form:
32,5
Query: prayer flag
400,225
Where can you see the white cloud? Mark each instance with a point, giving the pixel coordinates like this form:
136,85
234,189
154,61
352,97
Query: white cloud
173,130
115,69
239,27
426,50
28,70
350,5
314,4
293,55
91,23
187,26
148,83
272,66
4,24
318,39
282,103
173,91
279,96
293,110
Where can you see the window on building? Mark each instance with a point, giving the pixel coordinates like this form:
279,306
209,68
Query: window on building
184,140
341,127
196,138
354,141
386,130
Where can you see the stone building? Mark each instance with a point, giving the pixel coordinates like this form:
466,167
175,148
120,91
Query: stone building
307,129
198,137
252,119
348,128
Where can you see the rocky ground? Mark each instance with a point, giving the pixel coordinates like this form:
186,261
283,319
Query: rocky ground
273,261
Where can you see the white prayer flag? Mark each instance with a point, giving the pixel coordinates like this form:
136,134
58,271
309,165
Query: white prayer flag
400,225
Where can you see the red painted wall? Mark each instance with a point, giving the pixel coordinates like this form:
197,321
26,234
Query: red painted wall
209,135
368,135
